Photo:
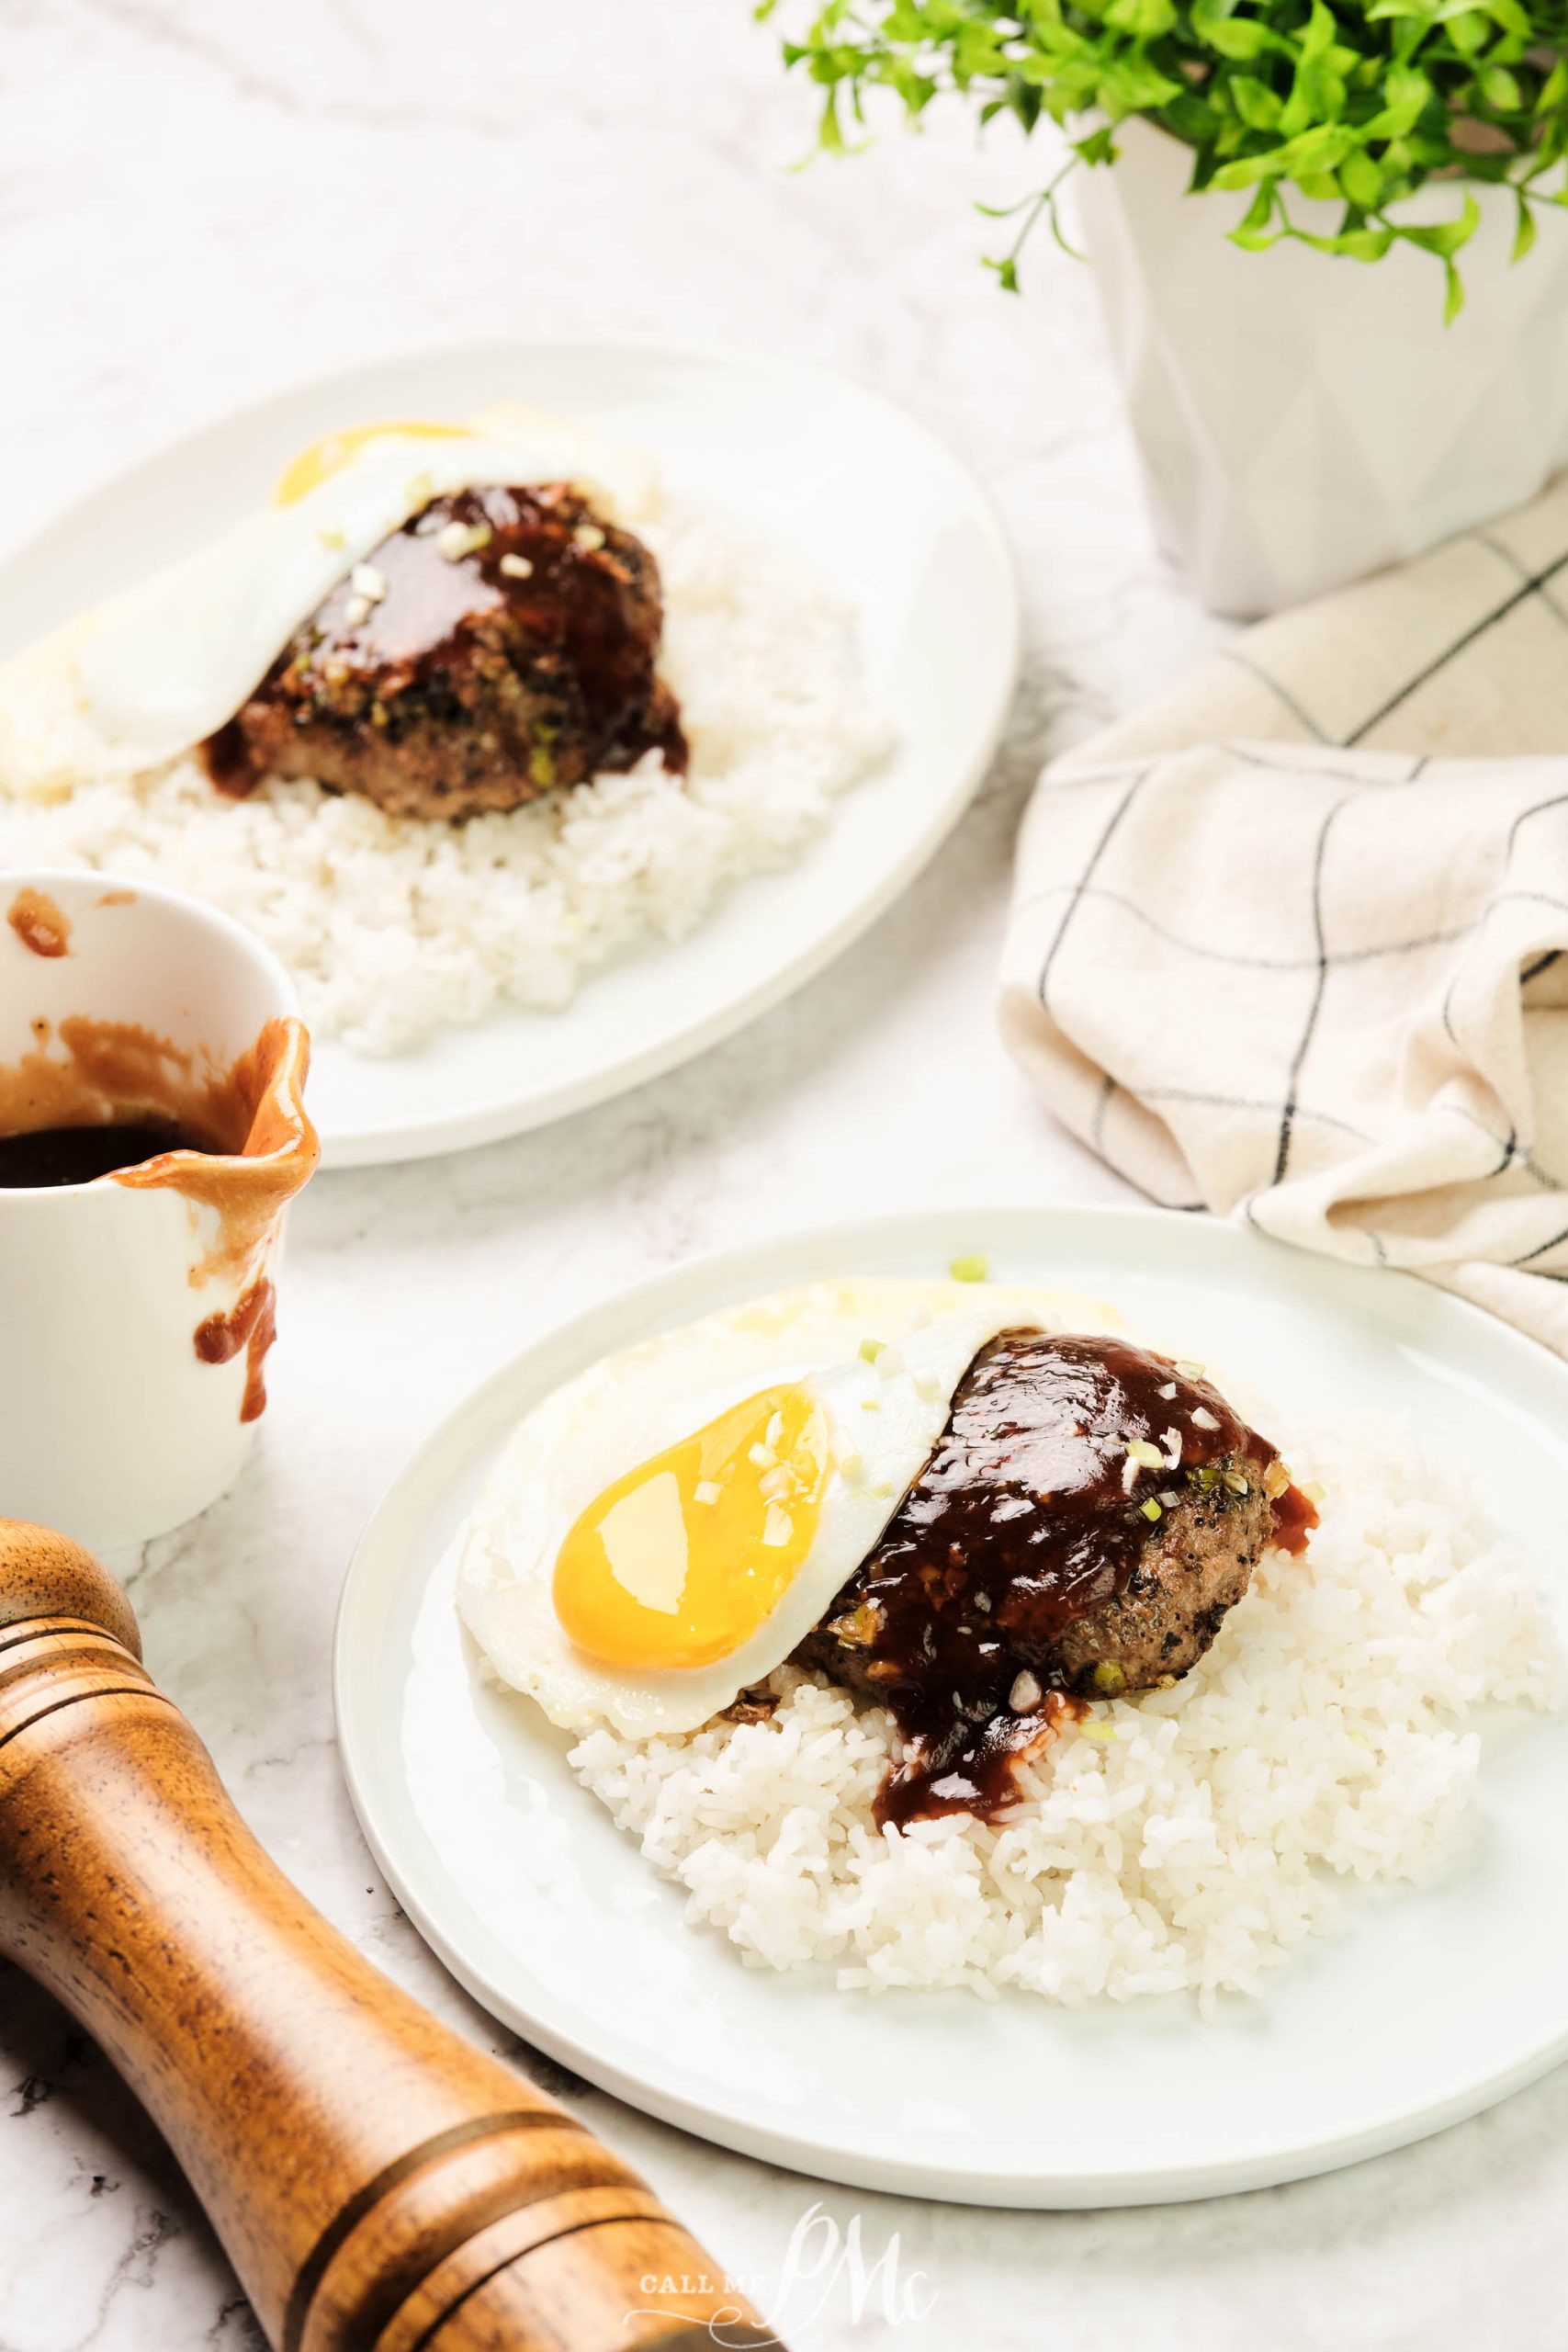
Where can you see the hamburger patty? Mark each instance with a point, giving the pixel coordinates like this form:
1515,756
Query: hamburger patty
1089,1513
500,645
1192,1568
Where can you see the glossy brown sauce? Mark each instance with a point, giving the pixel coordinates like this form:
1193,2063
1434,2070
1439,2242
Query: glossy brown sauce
1295,1516
40,924
237,1141
251,1324
226,756
420,634
1021,1521
80,1155
259,1104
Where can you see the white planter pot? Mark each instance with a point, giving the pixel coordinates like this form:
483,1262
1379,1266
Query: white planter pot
1303,419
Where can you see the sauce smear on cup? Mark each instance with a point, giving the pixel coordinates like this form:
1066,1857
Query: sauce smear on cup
99,1100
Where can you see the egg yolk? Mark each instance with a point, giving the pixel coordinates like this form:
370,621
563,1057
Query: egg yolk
333,452
682,1559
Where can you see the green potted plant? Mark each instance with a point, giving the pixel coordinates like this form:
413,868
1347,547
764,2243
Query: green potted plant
1330,239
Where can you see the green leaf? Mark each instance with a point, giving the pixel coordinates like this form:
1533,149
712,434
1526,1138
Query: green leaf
1363,244
1241,38
1453,295
1514,21
1025,99
1361,179
1258,106
1249,171
1524,232
1130,87
1555,89
1314,151
1446,237
1098,148
1144,19
1468,30
1255,240
1351,244
1318,37
1406,90
1192,119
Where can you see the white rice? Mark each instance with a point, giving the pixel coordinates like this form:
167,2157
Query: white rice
1188,1838
394,927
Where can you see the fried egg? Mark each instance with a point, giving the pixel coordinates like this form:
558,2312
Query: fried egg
154,671
662,1530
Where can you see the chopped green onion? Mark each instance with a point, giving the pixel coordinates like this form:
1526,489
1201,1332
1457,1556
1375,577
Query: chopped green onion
860,1628
968,1270
1109,1677
871,1349
1143,1451
1312,1491
1187,1369
1151,1509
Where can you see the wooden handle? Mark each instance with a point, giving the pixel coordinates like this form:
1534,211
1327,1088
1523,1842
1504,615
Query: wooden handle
379,2185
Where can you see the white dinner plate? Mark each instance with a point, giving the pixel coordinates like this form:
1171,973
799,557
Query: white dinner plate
1435,2002
868,497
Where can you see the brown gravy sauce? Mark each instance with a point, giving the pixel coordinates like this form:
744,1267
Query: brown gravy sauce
251,1324
1021,1522
47,1157
236,1140
226,756
1294,1518
39,923
269,1150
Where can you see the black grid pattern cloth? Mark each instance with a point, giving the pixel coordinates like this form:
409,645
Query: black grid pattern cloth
1293,945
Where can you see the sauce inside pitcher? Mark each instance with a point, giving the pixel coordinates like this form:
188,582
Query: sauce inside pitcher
80,1154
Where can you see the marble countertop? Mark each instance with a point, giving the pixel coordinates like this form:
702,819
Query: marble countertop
202,200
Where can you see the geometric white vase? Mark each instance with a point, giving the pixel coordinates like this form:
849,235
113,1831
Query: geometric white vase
1302,418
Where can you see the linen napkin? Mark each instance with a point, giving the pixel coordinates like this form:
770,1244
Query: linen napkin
1291,944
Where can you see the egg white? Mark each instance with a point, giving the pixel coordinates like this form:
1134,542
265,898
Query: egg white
883,1417
152,672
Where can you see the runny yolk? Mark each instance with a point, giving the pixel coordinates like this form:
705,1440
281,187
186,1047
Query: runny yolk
678,1561
333,451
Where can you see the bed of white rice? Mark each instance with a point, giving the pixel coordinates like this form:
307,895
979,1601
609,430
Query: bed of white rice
394,928
1188,1838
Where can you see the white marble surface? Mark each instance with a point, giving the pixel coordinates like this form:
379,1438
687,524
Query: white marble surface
202,199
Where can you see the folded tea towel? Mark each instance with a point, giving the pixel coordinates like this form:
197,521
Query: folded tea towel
1293,943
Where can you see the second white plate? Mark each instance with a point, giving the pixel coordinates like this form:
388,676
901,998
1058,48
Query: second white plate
1436,2002
875,506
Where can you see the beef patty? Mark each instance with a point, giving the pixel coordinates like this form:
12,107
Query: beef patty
1091,1512
500,645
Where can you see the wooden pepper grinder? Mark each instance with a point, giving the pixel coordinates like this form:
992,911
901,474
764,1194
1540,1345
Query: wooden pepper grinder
379,2185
